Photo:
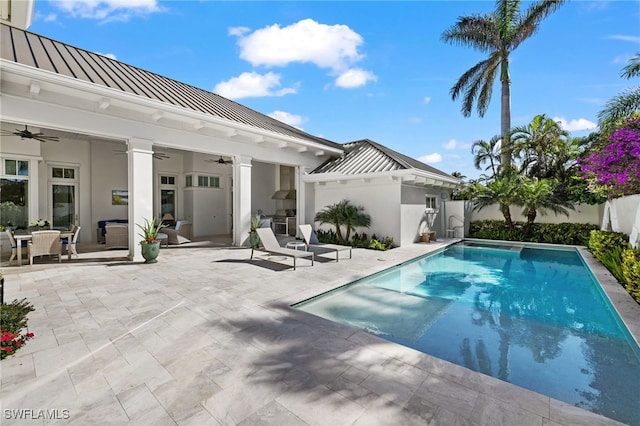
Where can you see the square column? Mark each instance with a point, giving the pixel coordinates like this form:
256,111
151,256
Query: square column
241,199
140,162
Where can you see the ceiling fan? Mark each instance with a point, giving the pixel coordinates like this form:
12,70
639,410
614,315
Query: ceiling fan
219,160
26,134
156,155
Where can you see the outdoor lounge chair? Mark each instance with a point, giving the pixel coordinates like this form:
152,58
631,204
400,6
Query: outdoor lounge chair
180,234
271,246
116,236
312,242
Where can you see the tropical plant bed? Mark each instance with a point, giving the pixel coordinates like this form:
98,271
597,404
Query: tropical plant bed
551,233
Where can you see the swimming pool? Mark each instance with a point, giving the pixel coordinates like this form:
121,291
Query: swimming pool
533,317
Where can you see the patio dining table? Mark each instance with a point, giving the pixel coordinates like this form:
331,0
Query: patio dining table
26,236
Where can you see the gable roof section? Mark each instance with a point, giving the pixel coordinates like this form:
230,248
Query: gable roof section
40,52
366,156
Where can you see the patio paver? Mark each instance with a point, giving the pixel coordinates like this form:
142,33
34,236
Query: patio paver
207,336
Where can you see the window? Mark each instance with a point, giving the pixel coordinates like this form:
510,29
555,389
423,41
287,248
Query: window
208,181
63,173
167,180
431,202
14,193
16,167
203,181
14,202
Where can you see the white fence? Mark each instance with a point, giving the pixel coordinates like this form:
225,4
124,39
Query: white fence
620,215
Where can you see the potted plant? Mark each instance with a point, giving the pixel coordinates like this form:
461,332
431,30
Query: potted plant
40,224
254,240
150,244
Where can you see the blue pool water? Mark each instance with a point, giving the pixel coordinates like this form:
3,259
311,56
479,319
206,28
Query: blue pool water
533,317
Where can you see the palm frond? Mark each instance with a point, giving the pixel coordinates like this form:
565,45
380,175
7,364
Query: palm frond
620,106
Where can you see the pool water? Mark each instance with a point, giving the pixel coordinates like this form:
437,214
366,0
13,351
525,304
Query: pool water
533,317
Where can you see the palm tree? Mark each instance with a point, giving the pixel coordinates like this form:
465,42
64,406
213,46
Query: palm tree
497,33
344,214
503,191
540,195
540,143
487,152
626,103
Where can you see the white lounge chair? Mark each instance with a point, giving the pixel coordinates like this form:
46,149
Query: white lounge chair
271,246
311,239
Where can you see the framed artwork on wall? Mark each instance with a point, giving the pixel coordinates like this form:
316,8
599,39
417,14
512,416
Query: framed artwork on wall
119,197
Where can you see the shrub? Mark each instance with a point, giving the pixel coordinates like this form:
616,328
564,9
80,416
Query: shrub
601,242
631,272
358,240
553,233
13,318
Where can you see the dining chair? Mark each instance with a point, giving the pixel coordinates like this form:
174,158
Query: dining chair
70,242
14,245
45,243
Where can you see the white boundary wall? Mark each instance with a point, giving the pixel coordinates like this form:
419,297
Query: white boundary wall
619,215
623,215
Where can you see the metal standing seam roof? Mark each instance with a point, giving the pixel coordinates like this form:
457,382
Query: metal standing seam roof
366,156
40,52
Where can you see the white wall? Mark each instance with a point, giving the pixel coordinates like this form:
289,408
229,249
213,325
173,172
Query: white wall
583,213
413,219
380,199
623,215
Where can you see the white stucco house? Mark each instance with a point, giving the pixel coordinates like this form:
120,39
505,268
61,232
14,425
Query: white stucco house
80,130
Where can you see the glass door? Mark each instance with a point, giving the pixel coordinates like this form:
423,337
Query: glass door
64,205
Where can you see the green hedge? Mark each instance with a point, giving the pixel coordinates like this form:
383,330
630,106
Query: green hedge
552,233
612,249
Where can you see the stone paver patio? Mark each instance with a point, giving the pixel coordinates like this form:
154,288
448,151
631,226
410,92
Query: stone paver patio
208,337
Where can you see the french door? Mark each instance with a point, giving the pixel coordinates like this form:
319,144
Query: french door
64,205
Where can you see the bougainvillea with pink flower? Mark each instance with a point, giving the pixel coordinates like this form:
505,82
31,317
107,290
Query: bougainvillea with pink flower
617,165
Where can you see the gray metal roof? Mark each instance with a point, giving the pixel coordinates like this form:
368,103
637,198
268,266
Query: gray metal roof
44,53
366,156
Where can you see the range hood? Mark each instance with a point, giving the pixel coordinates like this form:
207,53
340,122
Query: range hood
284,194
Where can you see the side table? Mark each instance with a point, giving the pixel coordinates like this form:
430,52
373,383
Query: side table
296,245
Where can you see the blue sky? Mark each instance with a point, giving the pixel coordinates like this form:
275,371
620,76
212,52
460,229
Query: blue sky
351,70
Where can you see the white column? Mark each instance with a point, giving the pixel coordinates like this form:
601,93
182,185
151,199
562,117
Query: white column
241,199
301,196
140,155
33,196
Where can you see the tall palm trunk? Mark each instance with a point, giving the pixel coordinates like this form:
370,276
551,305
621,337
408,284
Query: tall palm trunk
505,115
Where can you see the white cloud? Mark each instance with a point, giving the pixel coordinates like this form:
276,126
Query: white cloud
452,144
238,31
288,118
632,39
431,158
327,46
252,84
354,78
108,55
426,99
108,10
575,125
